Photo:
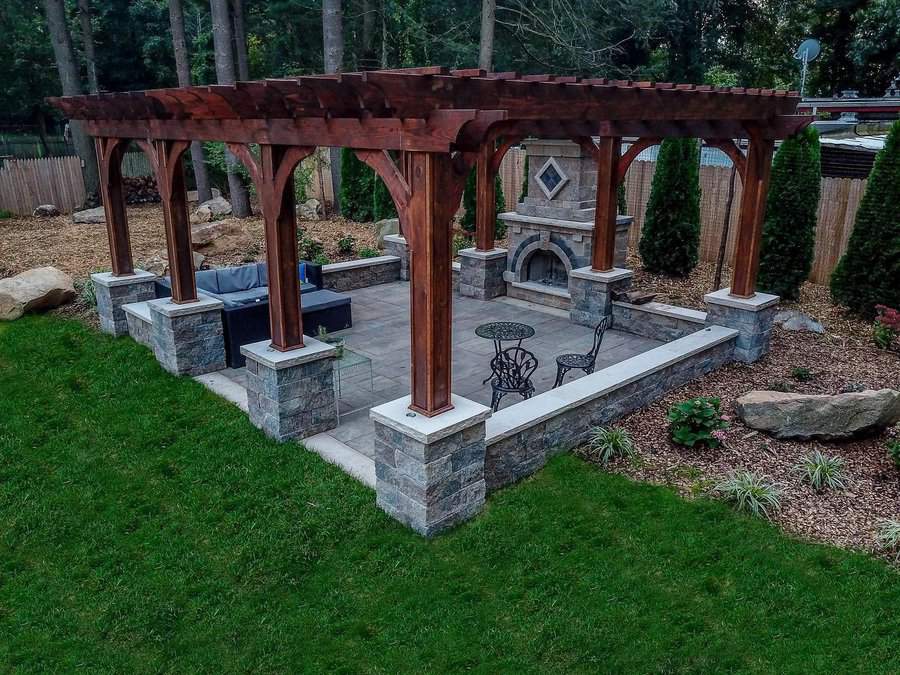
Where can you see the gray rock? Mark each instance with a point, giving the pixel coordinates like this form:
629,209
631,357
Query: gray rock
95,216
806,417
45,211
212,209
41,288
311,209
386,227
791,319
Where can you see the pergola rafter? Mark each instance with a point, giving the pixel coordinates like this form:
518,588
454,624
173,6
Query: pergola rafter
421,130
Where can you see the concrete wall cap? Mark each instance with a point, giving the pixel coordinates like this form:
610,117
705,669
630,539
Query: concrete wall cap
616,274
397,415
331,268
109,280
662,309
483,255
756,303
166,307
312,350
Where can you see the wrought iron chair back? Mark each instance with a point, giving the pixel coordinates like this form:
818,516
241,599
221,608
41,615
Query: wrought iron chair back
584,362
512,369
601,328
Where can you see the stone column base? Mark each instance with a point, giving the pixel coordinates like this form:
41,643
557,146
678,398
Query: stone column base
395,244
291,394
751,317
429,471
481,273
112,292
591,293
188,339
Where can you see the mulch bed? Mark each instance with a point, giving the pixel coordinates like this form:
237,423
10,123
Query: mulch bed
81,249
843,358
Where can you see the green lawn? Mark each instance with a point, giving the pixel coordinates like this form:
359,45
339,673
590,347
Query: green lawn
146,526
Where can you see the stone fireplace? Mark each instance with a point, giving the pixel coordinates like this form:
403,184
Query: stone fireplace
551,230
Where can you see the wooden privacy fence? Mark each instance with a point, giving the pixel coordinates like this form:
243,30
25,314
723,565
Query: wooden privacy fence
838,203
27,183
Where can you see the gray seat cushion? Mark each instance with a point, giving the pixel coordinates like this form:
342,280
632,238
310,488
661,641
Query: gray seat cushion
324,299
249,297
232,279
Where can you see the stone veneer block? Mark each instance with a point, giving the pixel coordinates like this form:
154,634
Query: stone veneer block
657,320
140,323
429,471
751,317
112,292
591,293
353,274
188,338
291,394
395,245
481,273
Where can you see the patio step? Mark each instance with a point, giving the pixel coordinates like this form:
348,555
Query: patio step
333,451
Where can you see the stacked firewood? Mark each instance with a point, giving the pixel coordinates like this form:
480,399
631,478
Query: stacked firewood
138,190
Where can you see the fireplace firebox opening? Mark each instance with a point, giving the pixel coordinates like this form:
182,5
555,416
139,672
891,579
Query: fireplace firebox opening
546,268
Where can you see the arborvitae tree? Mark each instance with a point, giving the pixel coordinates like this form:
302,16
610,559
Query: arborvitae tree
357,184
869,272
621,200
382,203
789,231
670,237
468,219
524,191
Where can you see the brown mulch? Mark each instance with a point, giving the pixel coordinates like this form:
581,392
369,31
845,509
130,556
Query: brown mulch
843,358
27,242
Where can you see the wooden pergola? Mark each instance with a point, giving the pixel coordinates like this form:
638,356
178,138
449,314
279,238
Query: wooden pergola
422,130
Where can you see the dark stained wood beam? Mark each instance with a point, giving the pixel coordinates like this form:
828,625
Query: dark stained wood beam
734,154
485,199
273,174
110,152
604,242
753,211
631,154
165,159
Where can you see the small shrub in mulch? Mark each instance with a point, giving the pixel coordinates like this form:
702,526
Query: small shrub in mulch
697,421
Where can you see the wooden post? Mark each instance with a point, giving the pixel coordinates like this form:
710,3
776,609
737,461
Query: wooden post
172,192
431,205
753,210
604,248
110,152
485,200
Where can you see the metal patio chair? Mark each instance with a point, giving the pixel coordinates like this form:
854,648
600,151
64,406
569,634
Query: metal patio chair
512,369
585,362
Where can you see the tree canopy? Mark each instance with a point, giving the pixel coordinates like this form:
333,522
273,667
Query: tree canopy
749,42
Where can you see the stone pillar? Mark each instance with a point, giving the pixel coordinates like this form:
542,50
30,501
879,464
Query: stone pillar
592,293
751,317
291,394
112,292
430,471
188,338
481,273
395,244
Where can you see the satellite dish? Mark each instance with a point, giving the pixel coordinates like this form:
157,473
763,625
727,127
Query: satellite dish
808,50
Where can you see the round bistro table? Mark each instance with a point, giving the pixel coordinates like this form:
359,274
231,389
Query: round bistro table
504,331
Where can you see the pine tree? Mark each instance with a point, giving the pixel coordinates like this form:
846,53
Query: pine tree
869,272
789,231
524,191
469,196
382,203
357,184
670,237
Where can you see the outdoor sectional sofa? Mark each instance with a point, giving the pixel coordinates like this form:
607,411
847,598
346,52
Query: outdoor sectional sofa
244,290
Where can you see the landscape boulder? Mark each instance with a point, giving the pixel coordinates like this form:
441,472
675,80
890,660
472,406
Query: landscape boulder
95,216
212,209
385,227
158,264
45,211
40,288
791,319
822,417
311,209
223,236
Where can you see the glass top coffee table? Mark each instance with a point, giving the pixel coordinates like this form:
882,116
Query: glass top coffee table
353,383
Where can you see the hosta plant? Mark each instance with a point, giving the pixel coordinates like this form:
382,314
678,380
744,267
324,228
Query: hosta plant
697,421
822,471
750,493
608,443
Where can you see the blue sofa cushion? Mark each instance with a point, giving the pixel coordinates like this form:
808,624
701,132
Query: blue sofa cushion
208,281
241,278
262,271
325,299
248,297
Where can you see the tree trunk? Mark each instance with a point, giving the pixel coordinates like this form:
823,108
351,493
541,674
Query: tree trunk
384,34
240,40
71,86
723,244
368,35
223,47
183,69
486,53
87,39
333,43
